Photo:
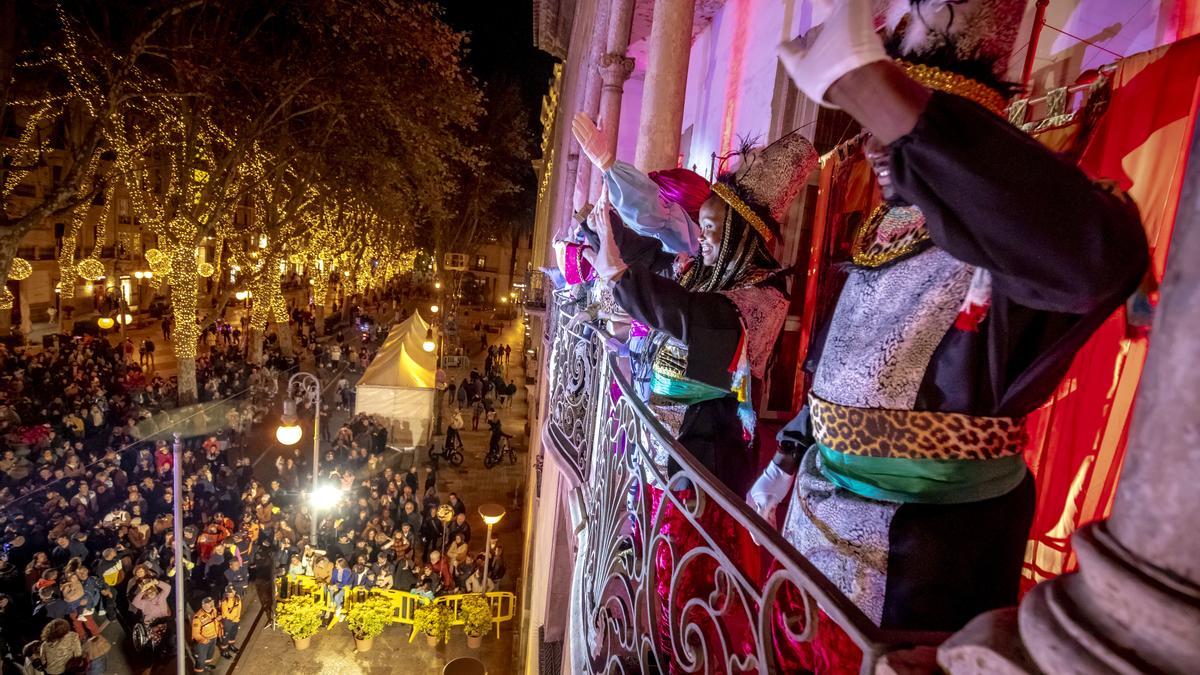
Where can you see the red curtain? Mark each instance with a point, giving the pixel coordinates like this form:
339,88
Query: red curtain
1077,439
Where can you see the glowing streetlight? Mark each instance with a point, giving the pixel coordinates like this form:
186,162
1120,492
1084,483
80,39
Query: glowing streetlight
241,295
124,319
105,322
326,497
429,345
433,309
289,431
139,274
503,300
437,285
491,514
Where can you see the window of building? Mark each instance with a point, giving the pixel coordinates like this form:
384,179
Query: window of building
480,262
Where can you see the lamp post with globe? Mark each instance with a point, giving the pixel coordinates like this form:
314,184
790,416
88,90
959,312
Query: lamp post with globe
491,514
289,433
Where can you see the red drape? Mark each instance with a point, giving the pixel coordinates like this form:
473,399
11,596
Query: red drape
1077,440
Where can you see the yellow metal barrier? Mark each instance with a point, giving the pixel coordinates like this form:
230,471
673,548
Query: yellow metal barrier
404,604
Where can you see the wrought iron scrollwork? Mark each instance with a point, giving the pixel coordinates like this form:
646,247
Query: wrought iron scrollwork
674,572
574,357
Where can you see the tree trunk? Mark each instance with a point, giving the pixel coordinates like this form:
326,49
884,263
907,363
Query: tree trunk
319,314
256,345
186,335
187,379
284,330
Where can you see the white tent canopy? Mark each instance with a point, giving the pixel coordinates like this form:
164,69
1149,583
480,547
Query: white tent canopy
398,385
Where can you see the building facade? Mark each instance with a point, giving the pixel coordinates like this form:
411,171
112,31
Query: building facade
685,83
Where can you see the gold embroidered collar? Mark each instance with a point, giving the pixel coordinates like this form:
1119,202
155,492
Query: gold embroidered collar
903,233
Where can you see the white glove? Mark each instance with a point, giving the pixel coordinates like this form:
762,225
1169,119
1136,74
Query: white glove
769,490
607,261
846,41
593,141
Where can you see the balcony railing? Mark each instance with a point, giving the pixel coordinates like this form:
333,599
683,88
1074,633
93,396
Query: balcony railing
575,354
673,572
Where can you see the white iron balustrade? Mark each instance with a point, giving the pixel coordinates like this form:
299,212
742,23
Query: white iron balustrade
729,597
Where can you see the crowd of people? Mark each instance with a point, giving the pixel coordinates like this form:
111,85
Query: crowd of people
86,496
392,531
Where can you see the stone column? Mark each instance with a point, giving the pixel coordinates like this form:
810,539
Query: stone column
666,82
1134,604
591,93
614,68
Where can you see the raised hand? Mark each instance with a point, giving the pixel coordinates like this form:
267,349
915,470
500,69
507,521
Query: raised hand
845,41
593,141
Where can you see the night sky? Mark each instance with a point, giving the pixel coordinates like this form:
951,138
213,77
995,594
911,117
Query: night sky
501,47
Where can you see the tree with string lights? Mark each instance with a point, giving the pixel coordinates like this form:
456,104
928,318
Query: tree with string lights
240,94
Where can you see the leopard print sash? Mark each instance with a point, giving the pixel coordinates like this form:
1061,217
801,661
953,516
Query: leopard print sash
911,434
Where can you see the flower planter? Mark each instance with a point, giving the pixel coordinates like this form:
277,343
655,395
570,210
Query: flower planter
474,641
363,645
301,643
431,640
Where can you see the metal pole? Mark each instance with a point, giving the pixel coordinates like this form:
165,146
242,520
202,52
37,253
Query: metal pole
1035,36
487,556
176,502
316,456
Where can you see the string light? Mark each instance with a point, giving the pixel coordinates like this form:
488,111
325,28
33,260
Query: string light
20,269
90,269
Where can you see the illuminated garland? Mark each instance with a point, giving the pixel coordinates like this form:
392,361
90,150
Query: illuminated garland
20,269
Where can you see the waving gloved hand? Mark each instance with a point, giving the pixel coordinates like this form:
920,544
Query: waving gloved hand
769,490
607,261
845,41
773,485
593,141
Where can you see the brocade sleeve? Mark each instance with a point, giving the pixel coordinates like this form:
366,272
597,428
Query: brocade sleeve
996,198
635,198
708,323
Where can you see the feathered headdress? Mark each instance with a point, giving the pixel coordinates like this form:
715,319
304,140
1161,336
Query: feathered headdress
767,181
971,37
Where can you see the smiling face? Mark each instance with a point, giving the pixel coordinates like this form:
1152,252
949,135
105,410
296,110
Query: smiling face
881,163
712,228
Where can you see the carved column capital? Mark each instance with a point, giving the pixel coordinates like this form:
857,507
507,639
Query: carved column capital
614,69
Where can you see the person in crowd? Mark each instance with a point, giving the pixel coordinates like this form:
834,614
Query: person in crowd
459,527
476,583
457,552
206,635
150,600
231,619
339,582
60,650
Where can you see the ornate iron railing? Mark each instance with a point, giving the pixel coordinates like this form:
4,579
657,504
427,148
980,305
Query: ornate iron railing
574,359
673,571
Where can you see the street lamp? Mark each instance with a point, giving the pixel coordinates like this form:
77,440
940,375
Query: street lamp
429,345
105,322
289,432
433,309
326,496
491,514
